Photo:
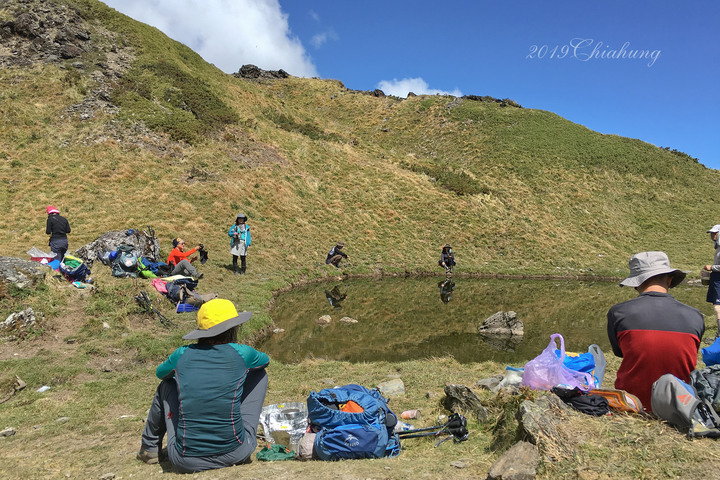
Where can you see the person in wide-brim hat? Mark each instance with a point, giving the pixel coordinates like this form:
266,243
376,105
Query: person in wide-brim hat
646,265
653,333
713,279
223,387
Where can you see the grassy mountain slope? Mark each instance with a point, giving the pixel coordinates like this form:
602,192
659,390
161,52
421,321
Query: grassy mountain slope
137,129
514,190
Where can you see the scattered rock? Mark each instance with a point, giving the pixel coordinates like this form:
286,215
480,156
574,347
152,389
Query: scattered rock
392,387
460,399
324,320
7,432
348,320
327,381
106,325
279,330
18,325
11,389
491,382
21,273
431,395
63,419
539,422
520,462
461,463
106,476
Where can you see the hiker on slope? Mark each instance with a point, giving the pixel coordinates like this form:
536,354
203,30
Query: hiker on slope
713,293
240,240
335,255
57,227
447,258
210,398
178,260
654,334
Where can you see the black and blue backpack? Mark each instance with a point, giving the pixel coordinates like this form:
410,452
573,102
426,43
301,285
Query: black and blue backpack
352,422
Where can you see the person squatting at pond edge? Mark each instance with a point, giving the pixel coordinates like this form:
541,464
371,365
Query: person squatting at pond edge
447,258
178,260
713,293
335,255
57,227
654,334
210,398
240,240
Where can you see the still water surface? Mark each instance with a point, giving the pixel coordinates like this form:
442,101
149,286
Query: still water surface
412,318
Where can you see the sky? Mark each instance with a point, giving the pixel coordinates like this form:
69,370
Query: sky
645,69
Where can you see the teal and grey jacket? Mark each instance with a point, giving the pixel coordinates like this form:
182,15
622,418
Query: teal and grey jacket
243,231
210,382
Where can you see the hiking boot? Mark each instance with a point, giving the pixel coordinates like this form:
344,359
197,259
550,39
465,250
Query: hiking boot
242,271
150,458
235,270
199,276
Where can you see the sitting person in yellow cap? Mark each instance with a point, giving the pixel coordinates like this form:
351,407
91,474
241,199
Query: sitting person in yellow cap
210,398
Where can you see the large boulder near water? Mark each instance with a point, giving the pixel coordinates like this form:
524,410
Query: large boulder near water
21,273
502,330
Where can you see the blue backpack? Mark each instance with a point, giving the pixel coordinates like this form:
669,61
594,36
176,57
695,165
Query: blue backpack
368,433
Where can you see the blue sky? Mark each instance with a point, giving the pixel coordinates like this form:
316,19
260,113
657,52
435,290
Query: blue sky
571,58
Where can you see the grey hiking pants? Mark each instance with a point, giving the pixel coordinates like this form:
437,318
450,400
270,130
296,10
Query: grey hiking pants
184,268
164,414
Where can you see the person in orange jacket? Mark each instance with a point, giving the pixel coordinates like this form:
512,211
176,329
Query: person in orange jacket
178,260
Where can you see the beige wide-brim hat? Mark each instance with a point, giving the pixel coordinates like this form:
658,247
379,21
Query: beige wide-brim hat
646,265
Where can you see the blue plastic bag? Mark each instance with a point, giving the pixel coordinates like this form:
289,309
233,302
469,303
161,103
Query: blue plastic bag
711,354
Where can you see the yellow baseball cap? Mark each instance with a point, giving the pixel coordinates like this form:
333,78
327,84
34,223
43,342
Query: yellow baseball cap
215,317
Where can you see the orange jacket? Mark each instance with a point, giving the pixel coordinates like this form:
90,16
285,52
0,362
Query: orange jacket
176,256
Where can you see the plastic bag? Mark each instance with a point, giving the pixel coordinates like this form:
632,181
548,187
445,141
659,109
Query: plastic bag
547,370
711,354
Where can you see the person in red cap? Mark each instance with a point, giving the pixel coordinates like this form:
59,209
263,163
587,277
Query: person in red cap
57,227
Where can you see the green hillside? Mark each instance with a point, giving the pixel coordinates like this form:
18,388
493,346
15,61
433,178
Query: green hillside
121,127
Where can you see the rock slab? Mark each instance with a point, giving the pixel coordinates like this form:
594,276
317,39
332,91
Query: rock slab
520,462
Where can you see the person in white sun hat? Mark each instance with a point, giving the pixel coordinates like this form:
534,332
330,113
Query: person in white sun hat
653,333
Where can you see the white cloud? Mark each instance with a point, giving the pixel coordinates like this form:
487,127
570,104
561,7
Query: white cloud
418,86
318,40
227,33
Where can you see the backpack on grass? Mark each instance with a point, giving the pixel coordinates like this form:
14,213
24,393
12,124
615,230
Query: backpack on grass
352,422
677,403
126,262
74,269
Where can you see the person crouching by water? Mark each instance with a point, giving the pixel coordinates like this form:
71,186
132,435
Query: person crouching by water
335,255
239,242
654,334
447,258
210,398
57,227
713,293
178,260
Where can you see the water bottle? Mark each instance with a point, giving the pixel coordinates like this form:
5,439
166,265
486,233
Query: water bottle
403,427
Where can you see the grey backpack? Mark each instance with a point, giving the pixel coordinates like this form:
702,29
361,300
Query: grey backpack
677,403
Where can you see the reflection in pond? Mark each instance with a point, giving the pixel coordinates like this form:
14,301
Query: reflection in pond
401,318
335,298
446,289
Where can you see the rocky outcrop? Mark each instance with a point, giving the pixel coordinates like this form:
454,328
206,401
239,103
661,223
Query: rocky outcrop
18,324
21,273
540,421
251,72
42,31
146,244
